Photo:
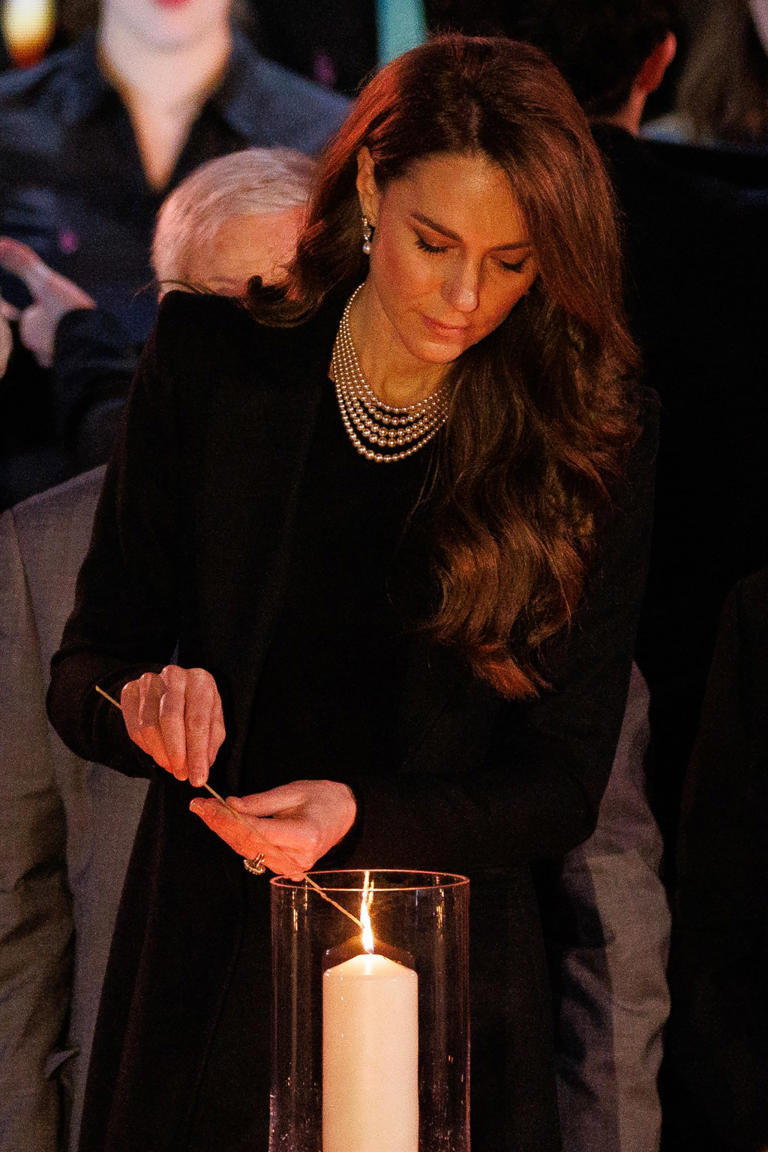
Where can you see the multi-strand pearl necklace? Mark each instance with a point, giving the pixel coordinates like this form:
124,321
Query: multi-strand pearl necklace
380,432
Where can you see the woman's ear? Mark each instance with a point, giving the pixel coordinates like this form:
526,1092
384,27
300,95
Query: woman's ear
367,189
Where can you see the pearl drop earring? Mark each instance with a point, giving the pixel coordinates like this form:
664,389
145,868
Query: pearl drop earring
367,236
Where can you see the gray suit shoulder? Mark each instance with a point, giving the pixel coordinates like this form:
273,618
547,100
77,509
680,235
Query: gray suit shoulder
77,495
66,828
53,529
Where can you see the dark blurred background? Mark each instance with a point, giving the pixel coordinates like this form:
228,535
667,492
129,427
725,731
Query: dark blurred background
331,41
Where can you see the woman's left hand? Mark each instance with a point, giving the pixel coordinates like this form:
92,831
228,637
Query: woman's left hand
302,820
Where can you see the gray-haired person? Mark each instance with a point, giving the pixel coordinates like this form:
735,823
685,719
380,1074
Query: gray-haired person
231,218
67,826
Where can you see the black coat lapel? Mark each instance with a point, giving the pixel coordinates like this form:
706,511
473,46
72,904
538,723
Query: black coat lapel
262,412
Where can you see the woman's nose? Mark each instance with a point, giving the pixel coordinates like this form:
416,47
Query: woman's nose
462,288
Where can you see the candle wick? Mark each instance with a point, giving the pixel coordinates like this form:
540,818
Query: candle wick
244,820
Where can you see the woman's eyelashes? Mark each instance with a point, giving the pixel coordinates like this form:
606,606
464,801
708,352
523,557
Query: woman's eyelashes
436,249
518,266
425,247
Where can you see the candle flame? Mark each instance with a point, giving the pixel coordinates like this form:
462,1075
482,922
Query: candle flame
365,916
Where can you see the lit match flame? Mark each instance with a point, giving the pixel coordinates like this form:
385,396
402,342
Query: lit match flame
28,27
367,930
365,916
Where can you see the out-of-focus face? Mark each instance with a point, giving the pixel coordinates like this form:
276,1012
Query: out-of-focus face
450,257
167,24
246,246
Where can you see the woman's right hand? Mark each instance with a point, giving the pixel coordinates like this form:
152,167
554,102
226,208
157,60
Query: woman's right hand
175,716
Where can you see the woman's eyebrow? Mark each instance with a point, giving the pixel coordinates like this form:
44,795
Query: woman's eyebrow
422,219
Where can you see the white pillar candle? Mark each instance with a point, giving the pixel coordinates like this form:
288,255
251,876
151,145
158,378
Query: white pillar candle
370,1056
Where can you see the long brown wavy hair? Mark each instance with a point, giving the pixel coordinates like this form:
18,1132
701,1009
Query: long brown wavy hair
542,411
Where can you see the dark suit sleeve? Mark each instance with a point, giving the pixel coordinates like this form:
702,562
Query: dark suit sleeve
93,365
126,615
538,791
716,1047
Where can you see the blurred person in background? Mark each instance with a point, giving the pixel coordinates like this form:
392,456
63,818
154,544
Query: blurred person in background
339,43
722,93
696,295
231,215
697,298
67,826
716,1064
91,141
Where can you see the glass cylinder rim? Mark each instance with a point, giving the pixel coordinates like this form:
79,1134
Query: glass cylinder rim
445,879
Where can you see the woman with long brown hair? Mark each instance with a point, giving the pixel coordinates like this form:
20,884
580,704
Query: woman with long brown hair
389,525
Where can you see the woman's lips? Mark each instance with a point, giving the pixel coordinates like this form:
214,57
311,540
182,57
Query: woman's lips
441,329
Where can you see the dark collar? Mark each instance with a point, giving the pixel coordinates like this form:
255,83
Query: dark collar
237,95
89,88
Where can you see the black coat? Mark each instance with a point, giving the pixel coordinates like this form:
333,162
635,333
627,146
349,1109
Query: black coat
190,553
716,1067
697,300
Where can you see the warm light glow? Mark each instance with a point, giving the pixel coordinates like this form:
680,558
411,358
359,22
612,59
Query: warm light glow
28,27
365,916
367,930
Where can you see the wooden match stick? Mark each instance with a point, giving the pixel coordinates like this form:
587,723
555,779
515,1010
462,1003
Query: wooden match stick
244,820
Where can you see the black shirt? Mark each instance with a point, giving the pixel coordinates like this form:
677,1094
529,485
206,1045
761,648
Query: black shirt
72,186
71,179
329,696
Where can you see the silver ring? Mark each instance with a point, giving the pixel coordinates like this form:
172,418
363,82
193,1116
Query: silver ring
255,865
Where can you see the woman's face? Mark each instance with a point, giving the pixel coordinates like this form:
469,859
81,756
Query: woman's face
450,256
